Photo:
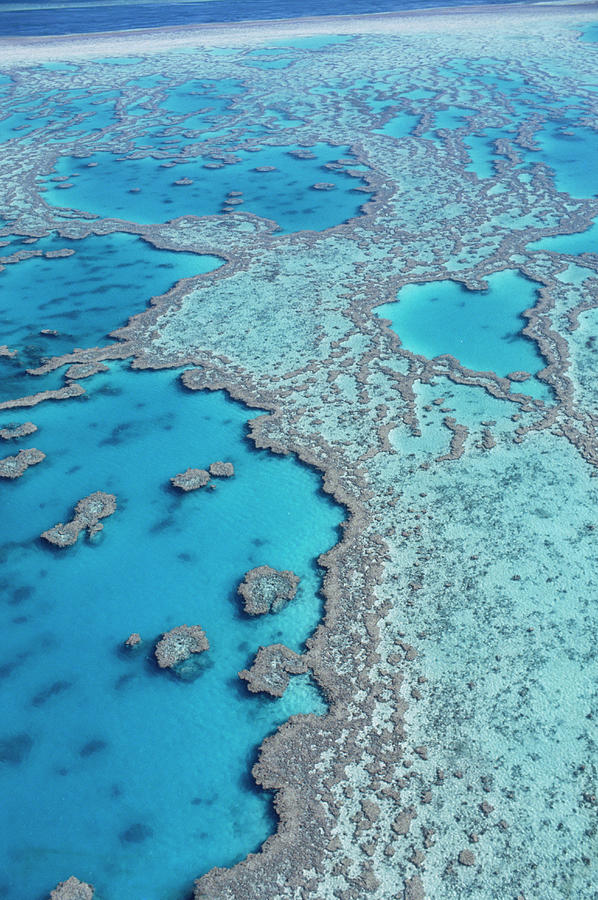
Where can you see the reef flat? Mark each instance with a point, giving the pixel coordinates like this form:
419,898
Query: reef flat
421,334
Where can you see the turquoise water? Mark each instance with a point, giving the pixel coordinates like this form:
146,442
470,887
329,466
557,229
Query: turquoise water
55,110
212,96
452,117
567,148
482,329
142,781
282,194
574,244
589,34
83,297
266,64
314,41
399,126
481,148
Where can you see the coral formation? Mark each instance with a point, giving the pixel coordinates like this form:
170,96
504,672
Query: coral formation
133,640
265,589
177,645
15,466
272,668
191,479
14,432
222,469
88,512
72,889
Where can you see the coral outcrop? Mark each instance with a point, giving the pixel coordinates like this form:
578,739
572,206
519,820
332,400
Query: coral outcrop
265,589
272,668
222,469
177,645
72,889
88,512
133,641
15,466
17,431
191,479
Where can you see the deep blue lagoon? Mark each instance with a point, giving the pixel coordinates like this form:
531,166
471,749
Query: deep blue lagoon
142,781
49,304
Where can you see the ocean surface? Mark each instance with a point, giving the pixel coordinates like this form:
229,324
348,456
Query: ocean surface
80,17
444,190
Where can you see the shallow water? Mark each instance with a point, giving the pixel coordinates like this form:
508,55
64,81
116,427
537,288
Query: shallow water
573,244
284,192
482,329
141,780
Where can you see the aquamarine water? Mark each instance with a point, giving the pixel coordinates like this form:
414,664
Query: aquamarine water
589,34
482,329
214,97
142,781
482,150
399,126
284,192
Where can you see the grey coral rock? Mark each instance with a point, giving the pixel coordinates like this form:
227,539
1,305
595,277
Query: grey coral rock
191,479
177,645
222,469
272,668
88,512
265,589
17,431
133,640
15,466
72,889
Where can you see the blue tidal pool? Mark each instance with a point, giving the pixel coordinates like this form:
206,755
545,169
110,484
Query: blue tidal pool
142,781
83,296
273,183
482,329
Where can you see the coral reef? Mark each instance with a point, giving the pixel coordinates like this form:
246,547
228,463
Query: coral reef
88,512
191,479
15,466
133,641
72,889
15,432
177,645
222,469
265,589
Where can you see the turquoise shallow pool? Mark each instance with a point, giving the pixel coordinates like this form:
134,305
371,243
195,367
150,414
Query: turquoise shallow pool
482,329
141,781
